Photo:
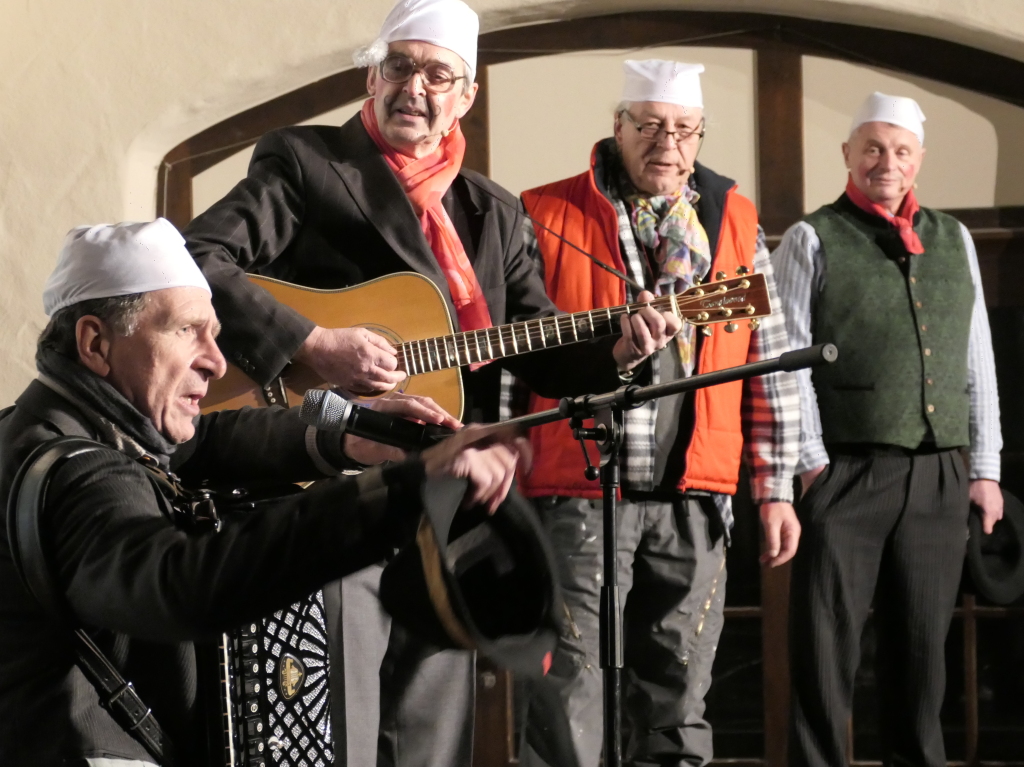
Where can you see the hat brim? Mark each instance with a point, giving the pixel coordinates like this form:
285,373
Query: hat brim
507,614
996,562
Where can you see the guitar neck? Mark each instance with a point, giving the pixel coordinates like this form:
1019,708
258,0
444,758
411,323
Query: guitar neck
486,344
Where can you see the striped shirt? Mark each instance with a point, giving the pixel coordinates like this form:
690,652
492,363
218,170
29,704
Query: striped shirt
770,406
800,273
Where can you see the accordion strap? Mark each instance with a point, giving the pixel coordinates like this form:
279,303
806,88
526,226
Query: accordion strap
24,532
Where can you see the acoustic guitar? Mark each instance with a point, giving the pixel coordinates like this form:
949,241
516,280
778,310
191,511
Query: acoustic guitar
409,311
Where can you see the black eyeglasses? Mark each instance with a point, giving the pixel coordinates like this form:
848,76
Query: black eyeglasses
652,131
438,77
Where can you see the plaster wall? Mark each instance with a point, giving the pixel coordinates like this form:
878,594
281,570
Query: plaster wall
93,94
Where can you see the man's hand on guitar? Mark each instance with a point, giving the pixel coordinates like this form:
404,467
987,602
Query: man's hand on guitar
644,333
488,458
354,359
416,408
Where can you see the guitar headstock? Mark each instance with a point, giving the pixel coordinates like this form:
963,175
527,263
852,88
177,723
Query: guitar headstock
740,298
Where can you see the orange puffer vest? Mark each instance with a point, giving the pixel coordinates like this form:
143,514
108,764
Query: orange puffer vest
578,211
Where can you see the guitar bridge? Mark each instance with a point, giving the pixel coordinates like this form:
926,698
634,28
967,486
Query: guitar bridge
275,394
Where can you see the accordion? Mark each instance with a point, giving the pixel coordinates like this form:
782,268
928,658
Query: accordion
274,690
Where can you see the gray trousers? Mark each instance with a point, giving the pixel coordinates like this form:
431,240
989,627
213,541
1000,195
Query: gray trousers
672,583
397,702
892,527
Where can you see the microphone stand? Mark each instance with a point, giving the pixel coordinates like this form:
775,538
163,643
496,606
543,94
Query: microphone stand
607,433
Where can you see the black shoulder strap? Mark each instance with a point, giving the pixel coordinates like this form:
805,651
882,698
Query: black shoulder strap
24,531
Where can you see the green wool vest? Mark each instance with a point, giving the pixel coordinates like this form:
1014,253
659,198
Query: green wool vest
901,324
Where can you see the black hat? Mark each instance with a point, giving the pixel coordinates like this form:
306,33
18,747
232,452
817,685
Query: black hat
478,581
996,561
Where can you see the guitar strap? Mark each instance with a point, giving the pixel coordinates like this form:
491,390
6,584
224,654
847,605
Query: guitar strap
24,531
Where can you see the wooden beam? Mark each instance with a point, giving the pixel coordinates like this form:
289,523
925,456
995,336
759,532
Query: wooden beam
775,650
477,130
780,132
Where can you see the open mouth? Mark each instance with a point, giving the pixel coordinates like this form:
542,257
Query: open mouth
191,401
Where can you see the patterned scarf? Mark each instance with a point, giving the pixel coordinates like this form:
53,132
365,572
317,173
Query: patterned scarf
903,221
425,181
117,422
667,225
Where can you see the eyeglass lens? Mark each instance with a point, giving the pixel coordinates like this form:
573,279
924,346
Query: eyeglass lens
398,69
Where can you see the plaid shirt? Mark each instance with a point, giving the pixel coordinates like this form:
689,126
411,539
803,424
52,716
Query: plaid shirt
770,407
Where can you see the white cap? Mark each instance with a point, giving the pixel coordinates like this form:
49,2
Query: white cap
110,260
449,24
896,110
670,82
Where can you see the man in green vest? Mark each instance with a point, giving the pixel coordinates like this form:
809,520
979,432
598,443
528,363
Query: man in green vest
885,492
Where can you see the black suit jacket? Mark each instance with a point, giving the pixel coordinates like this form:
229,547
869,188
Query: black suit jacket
320,207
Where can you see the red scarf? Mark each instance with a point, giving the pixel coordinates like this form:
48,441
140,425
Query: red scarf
903,220
425,180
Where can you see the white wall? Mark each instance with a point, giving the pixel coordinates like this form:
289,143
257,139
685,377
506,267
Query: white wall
93,94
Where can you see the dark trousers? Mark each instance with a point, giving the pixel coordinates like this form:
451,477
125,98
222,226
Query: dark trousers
893,526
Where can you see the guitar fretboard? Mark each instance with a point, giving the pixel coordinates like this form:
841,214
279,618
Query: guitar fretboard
486,344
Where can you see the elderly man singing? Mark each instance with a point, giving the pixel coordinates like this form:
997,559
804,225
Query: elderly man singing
884,511
649,209
124,362
331,207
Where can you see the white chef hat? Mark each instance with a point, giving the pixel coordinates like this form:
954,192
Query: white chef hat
110,260
670,82
449,24
896,110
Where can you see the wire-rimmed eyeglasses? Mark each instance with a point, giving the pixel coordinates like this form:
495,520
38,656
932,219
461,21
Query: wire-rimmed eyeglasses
438,77
653,131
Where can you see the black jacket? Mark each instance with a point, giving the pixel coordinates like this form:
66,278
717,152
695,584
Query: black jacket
320,207
148,589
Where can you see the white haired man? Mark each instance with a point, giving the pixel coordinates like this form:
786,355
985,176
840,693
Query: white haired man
124,361
330,207
885,493
649,209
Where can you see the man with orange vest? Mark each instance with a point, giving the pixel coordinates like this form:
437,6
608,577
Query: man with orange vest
647,209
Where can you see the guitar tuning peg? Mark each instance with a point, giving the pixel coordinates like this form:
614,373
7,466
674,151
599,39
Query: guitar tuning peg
731,327
706,330
719,276
754,324
697,281
742,270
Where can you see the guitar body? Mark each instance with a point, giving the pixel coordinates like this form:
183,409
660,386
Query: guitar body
401,307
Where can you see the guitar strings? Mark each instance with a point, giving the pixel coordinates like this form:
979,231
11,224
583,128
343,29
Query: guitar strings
546,330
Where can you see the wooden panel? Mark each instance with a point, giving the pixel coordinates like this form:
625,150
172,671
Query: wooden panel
494,727
775,634
780,138
476,128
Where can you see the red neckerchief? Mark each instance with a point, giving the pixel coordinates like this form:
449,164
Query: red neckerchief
903,220
425,181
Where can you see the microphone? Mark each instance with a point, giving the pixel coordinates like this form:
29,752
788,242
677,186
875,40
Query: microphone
328,411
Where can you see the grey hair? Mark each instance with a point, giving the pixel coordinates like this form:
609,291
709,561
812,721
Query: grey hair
119,312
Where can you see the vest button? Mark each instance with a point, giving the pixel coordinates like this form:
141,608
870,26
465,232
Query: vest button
927,352
918,304
924,328
913,280
902,259
929,381
931,408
